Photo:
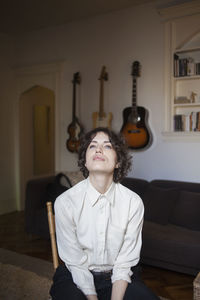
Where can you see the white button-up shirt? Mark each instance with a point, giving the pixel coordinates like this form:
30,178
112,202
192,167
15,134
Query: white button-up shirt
98,232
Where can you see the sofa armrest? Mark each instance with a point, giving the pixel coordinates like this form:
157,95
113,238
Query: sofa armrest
35,200
137,185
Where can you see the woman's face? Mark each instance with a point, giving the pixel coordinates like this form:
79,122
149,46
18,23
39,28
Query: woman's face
100,155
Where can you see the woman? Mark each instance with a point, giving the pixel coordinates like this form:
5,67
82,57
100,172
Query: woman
98,227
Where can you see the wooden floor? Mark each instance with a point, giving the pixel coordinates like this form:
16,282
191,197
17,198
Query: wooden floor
172,285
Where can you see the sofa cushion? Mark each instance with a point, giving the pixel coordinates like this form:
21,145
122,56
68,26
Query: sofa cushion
158,203
171,244
186,211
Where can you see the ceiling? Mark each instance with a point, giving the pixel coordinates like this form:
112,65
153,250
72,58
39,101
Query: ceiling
23,16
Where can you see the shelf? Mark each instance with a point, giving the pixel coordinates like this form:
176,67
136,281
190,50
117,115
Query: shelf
179,51
178,78
181,136
187,104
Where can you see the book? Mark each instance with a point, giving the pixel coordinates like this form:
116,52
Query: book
198,121
176,65
190,67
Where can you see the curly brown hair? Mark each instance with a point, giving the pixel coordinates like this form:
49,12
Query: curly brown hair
118,143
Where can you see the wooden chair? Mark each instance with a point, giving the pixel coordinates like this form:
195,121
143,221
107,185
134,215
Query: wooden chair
51,221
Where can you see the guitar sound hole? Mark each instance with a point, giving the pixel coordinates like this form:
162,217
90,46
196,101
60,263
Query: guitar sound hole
134,131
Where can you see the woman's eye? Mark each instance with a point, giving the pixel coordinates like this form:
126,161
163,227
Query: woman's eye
92,146
108,146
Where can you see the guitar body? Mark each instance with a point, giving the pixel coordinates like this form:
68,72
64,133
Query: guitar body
104,121
134,128
75,131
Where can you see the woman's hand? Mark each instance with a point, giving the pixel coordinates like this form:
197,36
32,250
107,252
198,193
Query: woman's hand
91,297
118,289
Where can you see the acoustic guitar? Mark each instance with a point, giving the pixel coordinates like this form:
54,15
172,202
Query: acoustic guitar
135,129
74,129
101,119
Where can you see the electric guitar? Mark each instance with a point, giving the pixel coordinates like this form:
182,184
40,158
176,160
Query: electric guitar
101,119
74,129
134,128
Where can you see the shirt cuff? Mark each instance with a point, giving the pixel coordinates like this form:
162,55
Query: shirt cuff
122,274
88,291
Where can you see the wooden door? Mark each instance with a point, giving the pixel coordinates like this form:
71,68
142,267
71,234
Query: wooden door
37,135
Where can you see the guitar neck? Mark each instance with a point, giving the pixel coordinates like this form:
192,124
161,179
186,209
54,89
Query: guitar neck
134,95
74,102
101,99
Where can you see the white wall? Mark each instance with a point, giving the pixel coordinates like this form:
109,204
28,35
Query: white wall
114,40
7,168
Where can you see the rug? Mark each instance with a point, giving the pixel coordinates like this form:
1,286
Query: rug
25,278
36,265
17,284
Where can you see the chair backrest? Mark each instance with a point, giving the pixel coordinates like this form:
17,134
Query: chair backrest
51,221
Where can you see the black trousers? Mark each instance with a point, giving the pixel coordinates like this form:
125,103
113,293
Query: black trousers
63,287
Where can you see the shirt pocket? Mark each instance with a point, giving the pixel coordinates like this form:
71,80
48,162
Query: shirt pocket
115,238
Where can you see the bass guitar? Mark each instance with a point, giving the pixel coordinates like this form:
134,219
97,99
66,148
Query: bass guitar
134,128
101,119
74,129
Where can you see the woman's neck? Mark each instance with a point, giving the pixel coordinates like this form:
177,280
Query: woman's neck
101,182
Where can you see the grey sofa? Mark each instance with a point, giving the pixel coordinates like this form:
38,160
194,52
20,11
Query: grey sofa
171,232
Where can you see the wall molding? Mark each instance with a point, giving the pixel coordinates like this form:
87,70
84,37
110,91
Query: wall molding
38,69
179,10
27,77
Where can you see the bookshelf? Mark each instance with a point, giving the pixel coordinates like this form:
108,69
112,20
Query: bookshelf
186,96
186,99
182,71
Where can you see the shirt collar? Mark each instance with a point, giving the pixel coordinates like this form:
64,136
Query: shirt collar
94,195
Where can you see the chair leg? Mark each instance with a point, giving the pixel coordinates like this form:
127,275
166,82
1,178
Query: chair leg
51,221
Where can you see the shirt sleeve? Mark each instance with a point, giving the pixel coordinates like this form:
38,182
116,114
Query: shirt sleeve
69,249
129,254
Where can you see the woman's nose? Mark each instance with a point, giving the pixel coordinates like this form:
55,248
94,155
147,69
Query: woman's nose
99,149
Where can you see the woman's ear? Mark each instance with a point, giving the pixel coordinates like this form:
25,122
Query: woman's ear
117,165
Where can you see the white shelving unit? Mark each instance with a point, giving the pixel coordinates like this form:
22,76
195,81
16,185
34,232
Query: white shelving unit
188,88
182,39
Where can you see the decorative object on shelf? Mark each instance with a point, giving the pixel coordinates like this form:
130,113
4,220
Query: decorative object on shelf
75,129
181,100
100,118
193,97
134,128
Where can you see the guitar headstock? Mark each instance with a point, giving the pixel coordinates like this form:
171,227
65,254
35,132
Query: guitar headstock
104,74
136,69
76,78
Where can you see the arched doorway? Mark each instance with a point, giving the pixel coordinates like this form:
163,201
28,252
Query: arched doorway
36,135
